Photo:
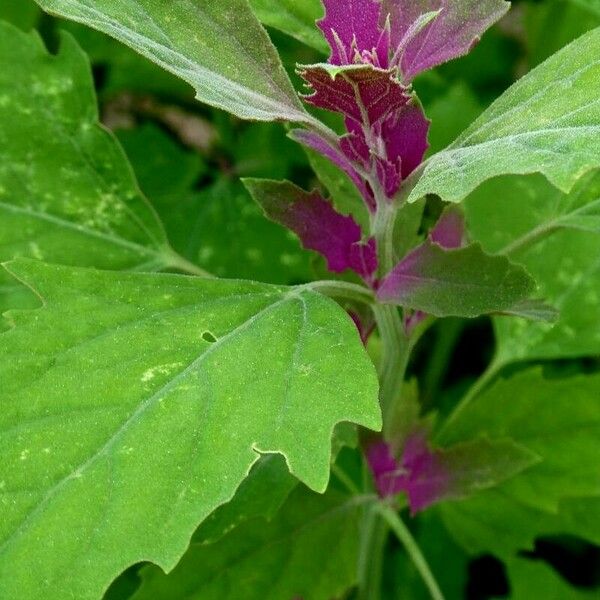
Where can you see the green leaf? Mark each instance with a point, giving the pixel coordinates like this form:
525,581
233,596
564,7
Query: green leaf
261,494
465,282
67,192
534,579
134,405
22,13
309,550
556,239
219,48
548,122
557,419
593,5
553,24
294,17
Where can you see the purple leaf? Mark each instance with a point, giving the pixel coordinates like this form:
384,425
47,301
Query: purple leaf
429,476
450,34
352,28
314,220
400,142
450,230
363,93
405,135
338,157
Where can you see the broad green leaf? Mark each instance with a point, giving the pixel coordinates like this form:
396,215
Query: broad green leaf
476,523
219,48
22,13
261,494
67,192
593,5
533,579
548,122
553,24
556,239
294,17
464,282
559,420
133,405
308,551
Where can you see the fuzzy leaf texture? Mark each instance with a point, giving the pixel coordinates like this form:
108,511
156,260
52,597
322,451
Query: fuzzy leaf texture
219,48
455,29
67,191
134,405
547,122
309,550
463,282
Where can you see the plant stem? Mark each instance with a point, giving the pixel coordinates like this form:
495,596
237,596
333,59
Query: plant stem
345,480
371,554
395,355
403,534
448,335
343,289
493,369
176,261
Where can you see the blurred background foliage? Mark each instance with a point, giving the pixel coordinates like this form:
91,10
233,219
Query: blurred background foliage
188,159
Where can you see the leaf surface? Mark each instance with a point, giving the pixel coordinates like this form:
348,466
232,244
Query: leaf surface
309,550
294,17
463,282
219,48
67,192
547,122
134,405
556,239
557,419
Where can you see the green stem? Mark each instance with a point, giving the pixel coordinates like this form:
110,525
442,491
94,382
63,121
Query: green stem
403,534
448,335
345,480
395,356
490,373
343,289
176,261
371,554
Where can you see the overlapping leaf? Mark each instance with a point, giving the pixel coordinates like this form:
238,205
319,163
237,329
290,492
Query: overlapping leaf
559,420
464,282
67,192
556,238
134,405
308,551
219,48
548,122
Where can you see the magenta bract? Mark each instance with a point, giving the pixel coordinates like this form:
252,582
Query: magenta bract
377,48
